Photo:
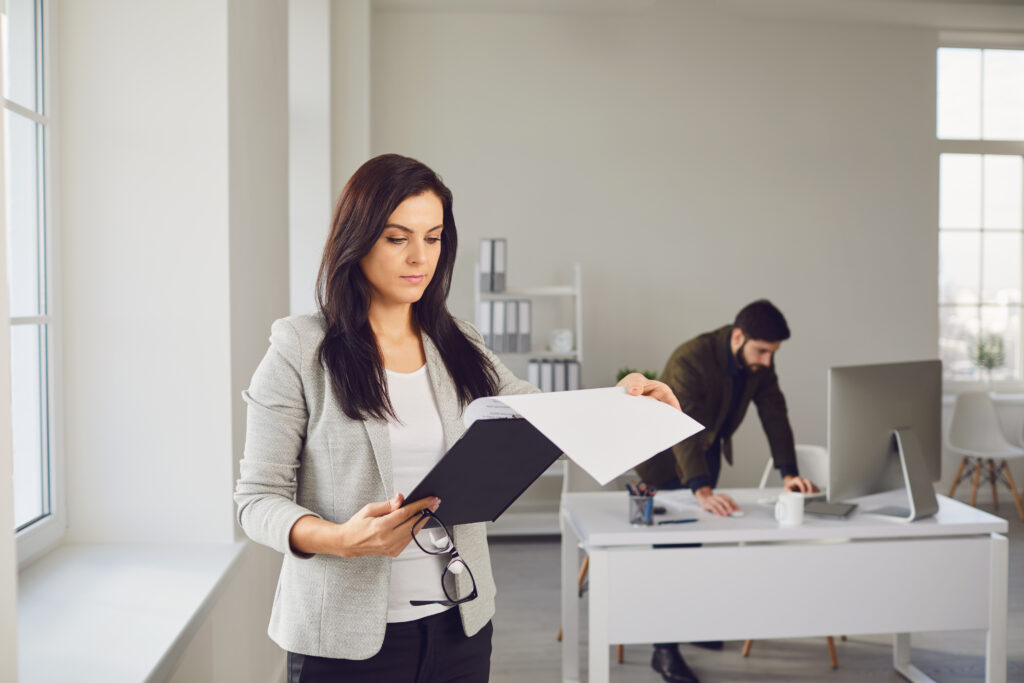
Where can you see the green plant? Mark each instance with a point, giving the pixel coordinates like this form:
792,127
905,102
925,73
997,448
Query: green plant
988,353
649,374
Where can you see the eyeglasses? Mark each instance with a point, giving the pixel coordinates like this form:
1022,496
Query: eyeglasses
442,546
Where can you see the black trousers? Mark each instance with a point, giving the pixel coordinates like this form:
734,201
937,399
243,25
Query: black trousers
434,649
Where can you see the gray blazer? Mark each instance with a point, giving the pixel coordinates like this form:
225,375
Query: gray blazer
304,456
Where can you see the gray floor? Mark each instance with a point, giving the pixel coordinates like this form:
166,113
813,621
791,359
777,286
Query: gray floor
527,620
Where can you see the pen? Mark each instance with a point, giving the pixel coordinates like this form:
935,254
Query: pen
677,521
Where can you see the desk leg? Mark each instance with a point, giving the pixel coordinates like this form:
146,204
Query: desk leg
995,643
901,660
599,653
570,607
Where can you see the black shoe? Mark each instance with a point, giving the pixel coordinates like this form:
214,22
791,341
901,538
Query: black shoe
709,644
669,663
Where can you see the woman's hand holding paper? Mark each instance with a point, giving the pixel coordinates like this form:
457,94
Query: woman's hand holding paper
638,385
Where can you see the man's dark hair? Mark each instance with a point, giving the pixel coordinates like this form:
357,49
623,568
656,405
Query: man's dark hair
760,320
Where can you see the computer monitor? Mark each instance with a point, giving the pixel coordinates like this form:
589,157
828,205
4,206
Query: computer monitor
884,432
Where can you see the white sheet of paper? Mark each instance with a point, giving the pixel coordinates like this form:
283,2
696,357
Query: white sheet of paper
491,408
604,431
678,500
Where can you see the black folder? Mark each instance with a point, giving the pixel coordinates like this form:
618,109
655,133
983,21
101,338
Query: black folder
486,470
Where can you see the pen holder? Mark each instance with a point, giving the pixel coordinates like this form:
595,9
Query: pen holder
641,510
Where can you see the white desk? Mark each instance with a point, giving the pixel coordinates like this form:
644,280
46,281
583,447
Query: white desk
866,574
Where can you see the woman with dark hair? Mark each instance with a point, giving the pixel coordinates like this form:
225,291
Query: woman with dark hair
352,406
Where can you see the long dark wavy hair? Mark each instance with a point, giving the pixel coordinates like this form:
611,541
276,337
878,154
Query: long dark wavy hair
349,349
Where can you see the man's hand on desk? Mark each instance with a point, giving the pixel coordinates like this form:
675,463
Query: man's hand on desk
718,503
795,483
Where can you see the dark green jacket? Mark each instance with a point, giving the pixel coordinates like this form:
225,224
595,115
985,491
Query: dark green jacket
698,373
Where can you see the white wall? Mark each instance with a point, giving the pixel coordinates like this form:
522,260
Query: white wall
232,645
329,102
692,160
144,178
351,78
258,198
174,177
175,263
309,144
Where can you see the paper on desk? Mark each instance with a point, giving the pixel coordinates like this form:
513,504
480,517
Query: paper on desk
678,500
604,431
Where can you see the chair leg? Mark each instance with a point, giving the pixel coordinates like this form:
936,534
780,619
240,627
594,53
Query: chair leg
1013,490
746,648
619,653
559,634
832,651
992,478
974,487
956,479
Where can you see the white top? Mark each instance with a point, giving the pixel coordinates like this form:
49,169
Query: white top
417,443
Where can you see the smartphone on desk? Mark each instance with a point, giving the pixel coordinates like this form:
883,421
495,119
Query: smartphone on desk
837,510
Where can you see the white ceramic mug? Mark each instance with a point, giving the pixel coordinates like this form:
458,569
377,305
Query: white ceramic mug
789,508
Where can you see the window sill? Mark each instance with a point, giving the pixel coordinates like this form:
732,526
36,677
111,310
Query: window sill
116,612
1010,396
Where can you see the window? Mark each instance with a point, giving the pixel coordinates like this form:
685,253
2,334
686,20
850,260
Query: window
980,126
27,132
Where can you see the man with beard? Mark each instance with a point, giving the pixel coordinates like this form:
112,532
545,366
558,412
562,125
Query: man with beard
715,376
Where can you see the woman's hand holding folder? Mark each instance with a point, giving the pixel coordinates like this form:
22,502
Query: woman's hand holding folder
381,528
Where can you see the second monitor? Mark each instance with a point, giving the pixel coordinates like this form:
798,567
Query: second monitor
884,432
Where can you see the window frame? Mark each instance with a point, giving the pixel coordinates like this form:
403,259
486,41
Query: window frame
978,41
44,534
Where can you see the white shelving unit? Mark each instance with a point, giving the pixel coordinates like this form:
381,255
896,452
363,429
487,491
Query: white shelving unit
536,511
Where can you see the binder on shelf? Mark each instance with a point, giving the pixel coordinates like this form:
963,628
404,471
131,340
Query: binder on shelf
574,375
498,326
483,323
533,373
486,265
560,375
547,379
498,264
524,325
512,326
486,470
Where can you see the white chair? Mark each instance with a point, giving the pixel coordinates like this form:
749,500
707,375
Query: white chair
976,435
812,461
576,480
